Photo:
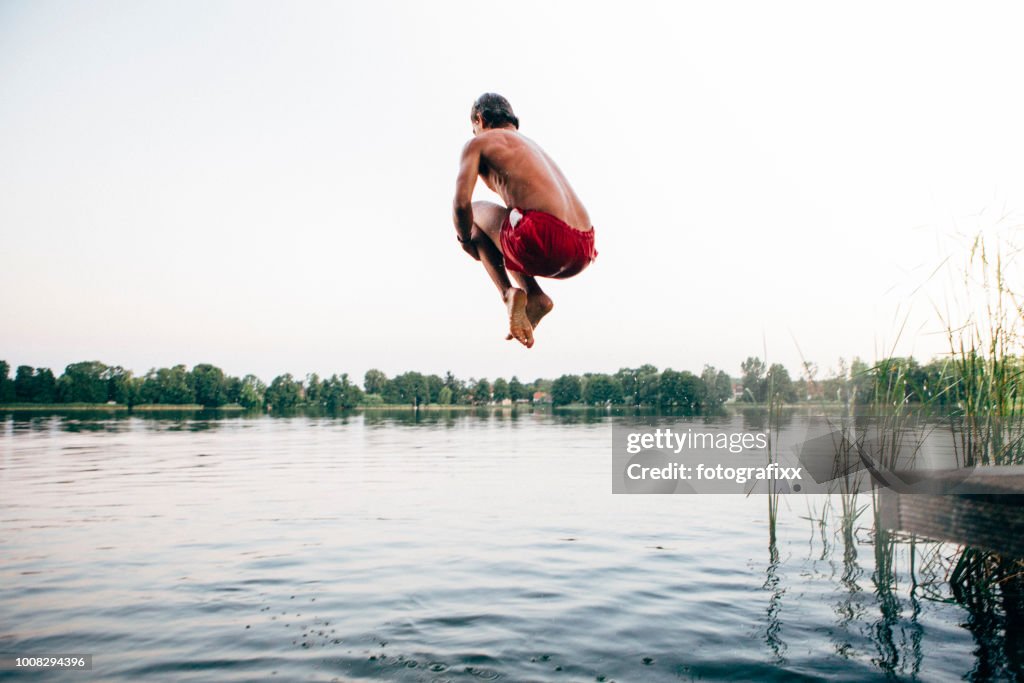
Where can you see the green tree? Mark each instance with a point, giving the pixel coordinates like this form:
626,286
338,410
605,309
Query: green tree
252,391
6,384
516,390
234,389
25,384
46,386
565,390
626,377
903,380
780,384
34,385
83,383
444,397
648,388
375,381
353,394
458,388
482,391
314,390
434,386
420,388
717,385
937,386
283,394
754,386
340,394
681,389
122,387
600,389
639,386
210,385
670,388
499,390
395,391
409,388
171,386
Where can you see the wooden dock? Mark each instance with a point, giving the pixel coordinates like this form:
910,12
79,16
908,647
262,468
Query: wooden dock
990,516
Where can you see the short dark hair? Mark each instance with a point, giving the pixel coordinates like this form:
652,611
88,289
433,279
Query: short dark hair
494,110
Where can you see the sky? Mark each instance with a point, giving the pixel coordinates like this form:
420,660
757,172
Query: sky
267,186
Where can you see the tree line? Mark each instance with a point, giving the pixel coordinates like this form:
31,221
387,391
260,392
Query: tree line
894,380
205,385
209,386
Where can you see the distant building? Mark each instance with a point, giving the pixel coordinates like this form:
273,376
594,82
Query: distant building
541,397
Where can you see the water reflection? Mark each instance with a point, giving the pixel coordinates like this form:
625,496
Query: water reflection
991,588
148,537
850,608
883,609
776,589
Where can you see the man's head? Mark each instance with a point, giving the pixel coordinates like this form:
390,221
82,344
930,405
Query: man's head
491,110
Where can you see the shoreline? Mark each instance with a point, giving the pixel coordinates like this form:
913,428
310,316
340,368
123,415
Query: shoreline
109,407
235,408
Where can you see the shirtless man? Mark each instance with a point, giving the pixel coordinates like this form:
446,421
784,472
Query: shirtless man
542,231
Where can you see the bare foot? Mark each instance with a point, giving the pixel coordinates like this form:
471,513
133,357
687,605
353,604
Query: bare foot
519,325
537,306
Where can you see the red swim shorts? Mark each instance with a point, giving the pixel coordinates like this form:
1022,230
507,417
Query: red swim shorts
538,244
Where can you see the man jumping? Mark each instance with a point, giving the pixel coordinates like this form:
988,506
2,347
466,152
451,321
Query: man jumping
542,231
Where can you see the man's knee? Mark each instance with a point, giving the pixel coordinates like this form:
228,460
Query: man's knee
486,207
489,216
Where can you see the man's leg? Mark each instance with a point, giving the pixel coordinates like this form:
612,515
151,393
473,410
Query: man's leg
488,217
538,304
487,220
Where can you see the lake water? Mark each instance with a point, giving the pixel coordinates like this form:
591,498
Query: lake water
456,546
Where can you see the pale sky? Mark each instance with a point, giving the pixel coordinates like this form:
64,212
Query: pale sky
267,186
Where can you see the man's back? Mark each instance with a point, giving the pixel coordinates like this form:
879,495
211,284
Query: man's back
525,177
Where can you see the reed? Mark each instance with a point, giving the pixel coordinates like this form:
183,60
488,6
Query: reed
986,338
982,381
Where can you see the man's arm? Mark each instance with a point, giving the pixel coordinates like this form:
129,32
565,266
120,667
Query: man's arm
462,207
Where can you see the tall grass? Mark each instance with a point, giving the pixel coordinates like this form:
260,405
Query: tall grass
986,337
984,383
981,387
775,404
